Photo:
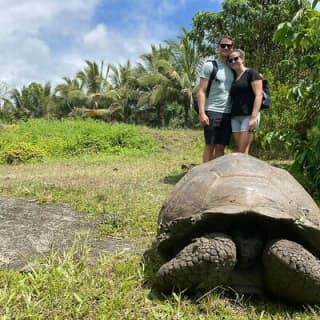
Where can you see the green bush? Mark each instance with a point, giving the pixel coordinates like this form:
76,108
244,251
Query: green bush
22,153
306,166
274,137
57,139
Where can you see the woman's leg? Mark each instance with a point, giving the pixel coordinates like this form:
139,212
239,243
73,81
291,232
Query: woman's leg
250,140
243,140
236,138
236,122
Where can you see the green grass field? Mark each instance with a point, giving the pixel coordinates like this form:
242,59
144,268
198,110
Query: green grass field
122,174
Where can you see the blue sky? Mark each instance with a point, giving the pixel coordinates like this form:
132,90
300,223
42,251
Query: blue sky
45,40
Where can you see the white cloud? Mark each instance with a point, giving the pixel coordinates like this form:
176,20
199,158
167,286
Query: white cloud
96,37
45,40
35,35
111,46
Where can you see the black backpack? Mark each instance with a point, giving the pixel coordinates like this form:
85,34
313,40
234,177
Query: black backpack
266,100
211,78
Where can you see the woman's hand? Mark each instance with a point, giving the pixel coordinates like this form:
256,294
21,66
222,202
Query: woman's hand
252,124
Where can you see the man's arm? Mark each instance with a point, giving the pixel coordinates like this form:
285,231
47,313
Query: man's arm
202,89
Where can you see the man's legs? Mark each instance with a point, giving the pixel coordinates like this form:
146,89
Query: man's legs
218,150
212,151
208,152
217,135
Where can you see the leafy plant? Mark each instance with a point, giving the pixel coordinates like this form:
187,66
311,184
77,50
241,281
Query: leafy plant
307,161
278,125
123,194
43,139
301,35
22,152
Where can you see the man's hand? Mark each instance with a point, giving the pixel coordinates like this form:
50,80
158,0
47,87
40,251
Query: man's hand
204,120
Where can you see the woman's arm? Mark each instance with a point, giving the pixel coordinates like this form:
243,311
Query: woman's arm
258,93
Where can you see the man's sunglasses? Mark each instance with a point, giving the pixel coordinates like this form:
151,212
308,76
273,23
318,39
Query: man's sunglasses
224,45
234,59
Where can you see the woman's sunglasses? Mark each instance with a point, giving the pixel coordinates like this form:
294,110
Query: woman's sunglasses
224,45
234,59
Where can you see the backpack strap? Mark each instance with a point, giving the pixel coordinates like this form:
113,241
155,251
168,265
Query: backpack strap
212,76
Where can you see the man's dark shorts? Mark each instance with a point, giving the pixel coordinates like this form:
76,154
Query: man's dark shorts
219,129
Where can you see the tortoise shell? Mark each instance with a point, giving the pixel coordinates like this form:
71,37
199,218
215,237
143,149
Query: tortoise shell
216,194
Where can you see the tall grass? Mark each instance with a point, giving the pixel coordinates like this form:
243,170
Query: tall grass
39,139
124,192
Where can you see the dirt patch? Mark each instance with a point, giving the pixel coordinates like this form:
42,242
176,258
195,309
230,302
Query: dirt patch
29,230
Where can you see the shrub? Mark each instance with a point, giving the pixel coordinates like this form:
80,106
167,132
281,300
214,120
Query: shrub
274,137
22,152
57,139
306,166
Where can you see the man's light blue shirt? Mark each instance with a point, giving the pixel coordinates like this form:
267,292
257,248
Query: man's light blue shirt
218,99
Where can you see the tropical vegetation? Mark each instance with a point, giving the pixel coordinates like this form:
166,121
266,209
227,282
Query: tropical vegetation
121,190
112,141
280,39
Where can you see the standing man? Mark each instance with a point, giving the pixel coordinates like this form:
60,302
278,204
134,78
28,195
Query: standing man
214,110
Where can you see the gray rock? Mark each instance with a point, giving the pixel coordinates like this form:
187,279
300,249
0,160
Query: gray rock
29,230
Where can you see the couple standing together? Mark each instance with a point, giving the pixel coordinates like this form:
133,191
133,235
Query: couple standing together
233,103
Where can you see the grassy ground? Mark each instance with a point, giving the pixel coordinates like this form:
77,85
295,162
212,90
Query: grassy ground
127,193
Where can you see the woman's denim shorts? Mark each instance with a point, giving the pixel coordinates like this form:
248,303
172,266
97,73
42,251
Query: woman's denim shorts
241,123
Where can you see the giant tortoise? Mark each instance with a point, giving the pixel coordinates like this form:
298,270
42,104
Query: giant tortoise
240,222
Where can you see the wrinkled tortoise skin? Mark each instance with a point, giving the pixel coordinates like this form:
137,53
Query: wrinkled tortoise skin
241,222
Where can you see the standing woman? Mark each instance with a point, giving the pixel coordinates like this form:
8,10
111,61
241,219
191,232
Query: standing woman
246,97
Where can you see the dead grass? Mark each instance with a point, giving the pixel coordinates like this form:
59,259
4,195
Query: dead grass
125,193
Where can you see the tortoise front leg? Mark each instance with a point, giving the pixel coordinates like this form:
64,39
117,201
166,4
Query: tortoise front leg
205,263
292,272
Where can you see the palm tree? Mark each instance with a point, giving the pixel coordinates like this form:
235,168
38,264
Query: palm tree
94,81
34,101
156,77
124,90
69,95
169,75
187,61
